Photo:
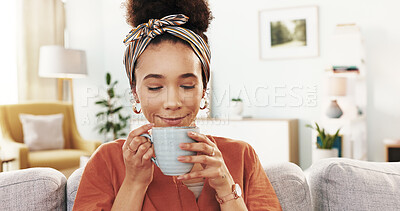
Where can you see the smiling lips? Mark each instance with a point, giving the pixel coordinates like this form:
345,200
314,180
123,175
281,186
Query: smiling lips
172,121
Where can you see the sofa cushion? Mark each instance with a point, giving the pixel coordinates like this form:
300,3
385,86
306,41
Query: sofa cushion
43,132
58,159
345,184
32,189
290,186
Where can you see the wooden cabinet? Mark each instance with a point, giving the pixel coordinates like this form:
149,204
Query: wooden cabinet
274,140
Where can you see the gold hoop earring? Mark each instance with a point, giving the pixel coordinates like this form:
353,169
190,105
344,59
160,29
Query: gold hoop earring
205,104
135,109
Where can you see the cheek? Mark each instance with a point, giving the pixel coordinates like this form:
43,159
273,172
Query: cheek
192,98
149,102
147,98
150,106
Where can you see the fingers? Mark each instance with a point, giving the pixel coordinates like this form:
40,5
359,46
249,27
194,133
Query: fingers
207,147
200,138
200,147
202,174
138,152
134,145
147,156
134,139
196,174
203,159
144,152
142,149
140,130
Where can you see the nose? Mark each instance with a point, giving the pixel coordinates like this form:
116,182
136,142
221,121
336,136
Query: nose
173,101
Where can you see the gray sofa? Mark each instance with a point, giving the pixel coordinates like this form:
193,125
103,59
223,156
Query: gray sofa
330,184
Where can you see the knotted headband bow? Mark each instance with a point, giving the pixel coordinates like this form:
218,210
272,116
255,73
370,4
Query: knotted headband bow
139,38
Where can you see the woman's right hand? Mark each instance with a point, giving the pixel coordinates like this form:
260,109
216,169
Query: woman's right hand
137,152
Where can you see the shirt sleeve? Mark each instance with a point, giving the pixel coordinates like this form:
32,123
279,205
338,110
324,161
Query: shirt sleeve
259,193
95,190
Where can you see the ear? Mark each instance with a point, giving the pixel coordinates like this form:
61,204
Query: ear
135,95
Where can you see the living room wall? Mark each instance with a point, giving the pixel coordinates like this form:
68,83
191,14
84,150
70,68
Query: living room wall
98,26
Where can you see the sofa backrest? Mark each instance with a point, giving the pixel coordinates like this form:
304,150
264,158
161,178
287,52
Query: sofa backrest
72,187
335,184
288,180
32,189
345,184
11,125
290,186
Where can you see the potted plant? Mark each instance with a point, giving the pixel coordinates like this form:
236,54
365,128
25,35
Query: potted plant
324,144
113,123
236,108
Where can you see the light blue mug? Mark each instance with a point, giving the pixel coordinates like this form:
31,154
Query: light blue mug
166,142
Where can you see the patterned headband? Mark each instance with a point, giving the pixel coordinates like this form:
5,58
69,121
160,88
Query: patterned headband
139,38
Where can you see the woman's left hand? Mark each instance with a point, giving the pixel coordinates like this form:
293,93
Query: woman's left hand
211,160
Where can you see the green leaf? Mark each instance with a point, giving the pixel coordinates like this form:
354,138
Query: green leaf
327,140
323,135
319,131
108,78
114,83
111,93
100,114
337,133
116,110
102,102
310,126
117,127
110,122
108,126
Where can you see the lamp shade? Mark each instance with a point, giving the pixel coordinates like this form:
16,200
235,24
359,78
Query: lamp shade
58,62
337,86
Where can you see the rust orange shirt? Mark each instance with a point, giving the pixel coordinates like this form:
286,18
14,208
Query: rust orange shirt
105,172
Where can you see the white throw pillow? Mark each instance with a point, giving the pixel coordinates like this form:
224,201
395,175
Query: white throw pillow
43,132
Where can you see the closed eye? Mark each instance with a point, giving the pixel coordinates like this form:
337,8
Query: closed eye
154,88
188,87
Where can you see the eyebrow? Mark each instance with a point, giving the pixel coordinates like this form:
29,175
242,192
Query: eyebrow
153,76
188,75
158,76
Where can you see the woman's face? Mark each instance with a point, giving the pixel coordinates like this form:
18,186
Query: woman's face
169,84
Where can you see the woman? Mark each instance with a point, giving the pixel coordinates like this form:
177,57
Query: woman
167,63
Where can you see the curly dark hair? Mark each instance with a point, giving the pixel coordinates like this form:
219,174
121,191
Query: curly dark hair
140,11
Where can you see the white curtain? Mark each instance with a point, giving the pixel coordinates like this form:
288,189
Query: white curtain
8,55
40,22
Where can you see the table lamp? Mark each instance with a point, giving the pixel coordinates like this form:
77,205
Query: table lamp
337,86
64,64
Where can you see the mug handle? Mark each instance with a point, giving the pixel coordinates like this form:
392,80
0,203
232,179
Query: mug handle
151,140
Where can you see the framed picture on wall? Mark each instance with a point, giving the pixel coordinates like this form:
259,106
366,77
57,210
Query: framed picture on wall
289,33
